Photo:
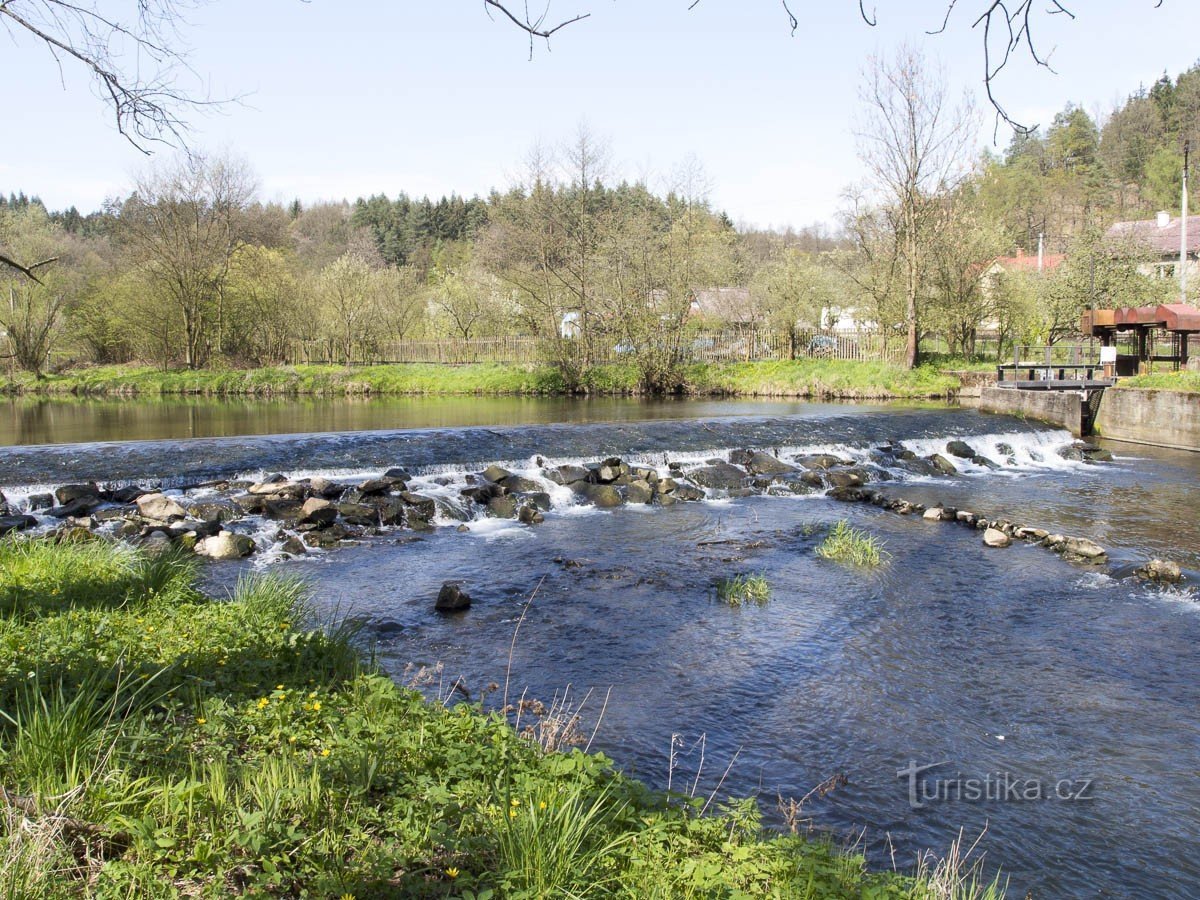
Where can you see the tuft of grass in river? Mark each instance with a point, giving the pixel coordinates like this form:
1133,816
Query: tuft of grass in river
741,590
852,546
159,743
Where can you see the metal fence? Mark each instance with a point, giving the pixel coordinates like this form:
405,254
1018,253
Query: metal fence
748,345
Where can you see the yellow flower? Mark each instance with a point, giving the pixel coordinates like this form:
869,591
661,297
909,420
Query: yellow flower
512,813
292,739
263,702
279,687
283,625
317,706
346,897
514,802
452,872
200,720
541,804
325,752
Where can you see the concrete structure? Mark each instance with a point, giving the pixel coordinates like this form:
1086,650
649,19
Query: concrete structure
1062,408
1159,418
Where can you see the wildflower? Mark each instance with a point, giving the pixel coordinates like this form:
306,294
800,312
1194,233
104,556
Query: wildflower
263,702
283,626
452,872
514,802
325,752
279,687
541,804
512,813
316,706
200,720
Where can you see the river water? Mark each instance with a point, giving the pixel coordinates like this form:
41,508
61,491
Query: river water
1013,670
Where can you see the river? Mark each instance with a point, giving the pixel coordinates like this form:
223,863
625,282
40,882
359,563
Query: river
1011,669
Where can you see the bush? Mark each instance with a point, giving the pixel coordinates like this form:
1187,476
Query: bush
851,546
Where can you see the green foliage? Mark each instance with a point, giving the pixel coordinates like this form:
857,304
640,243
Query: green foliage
852,546
215,748
820,379
1185,382
741,590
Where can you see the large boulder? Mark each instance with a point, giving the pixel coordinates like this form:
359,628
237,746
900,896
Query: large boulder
686,492
822,461
69,492
452,598
846,477
317,511
761,463
225,545
994,537
530,515
521,484
503,507
426,507
720,476
566,475
214,511
639,491
1083,550
160,508
496,473
358,513
961,449
604,495
1161,571
80,506
942,465
16,523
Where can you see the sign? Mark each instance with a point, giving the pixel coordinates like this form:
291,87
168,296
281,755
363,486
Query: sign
1108,355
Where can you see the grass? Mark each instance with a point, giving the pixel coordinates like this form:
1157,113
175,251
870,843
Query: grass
851,546
741,590
1182,381
817,379
159,743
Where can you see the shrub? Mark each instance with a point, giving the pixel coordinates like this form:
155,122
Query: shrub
851,546
743,589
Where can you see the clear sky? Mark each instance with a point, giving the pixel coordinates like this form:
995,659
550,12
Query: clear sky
351,97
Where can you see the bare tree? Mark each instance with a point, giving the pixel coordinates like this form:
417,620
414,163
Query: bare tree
914,144
183,226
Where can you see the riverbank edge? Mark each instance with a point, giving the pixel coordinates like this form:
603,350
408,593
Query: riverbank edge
456,798
803,379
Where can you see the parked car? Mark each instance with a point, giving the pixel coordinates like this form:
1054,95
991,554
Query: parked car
822,345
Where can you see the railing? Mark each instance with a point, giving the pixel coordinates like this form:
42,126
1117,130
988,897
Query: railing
1057,362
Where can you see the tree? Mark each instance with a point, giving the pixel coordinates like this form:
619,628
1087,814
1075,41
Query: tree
913,143
794,292
33,309
348,295
183,226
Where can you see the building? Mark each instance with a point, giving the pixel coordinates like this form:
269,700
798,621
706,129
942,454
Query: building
730,305
1039,263
1158,239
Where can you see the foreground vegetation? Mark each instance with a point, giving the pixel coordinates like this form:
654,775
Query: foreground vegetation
799,378
1187,382
852,546
157,743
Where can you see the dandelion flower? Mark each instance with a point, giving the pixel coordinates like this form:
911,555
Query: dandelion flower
512,813
452,872
514,802
200,720
325,752
541,804
317,706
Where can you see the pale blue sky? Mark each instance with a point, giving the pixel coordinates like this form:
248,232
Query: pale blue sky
348,97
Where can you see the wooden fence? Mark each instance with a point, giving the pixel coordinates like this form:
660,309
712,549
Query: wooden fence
738,346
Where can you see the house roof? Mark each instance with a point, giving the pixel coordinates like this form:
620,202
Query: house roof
730,303
1163,239
1029,262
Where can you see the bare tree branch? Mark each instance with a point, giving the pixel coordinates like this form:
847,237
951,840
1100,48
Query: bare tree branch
27,271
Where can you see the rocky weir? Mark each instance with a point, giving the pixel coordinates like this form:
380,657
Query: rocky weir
278,517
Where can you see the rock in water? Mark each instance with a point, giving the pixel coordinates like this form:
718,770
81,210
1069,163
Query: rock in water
1161,571
720,476
933,514
994,537
961,449
943,465
318,512
16,523
225,545
452,598
1083,550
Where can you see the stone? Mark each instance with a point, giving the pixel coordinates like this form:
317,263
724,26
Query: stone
358,513
639,492
942,465
155,542
496,473
80,506
69,492
961,449
566,475
687,492
293,546
1005,449
502,507
16,523
520,484
1161,571
846,477
985,462
425,506
284,509
126,494
765,464
993,537
540,499
665,485
325,489
39,501
483,493
741,457
666,499
719,476
934,514
388,511
160,508
317,511
530,515
822,461
452,598
605,472
1025,533
225,545
397,474
1084,550
605,496
213,511
251,503
373,486
271,485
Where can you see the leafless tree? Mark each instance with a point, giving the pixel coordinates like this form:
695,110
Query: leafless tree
913,141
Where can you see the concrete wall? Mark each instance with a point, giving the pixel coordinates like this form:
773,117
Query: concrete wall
1061,408
1161,418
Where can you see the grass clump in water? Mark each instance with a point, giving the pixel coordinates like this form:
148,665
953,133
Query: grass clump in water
741,590
852,546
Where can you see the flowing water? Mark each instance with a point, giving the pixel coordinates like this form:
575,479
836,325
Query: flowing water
1011,669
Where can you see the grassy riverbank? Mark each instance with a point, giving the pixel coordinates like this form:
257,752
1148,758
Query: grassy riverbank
818,379
156,743
1185,382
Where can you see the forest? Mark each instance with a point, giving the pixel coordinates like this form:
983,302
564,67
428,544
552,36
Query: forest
192,269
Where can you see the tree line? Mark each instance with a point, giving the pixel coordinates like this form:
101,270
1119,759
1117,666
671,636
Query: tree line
190,268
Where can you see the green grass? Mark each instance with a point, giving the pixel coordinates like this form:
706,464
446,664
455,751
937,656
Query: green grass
819,379
159,743
1185,382
741,590
851,546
